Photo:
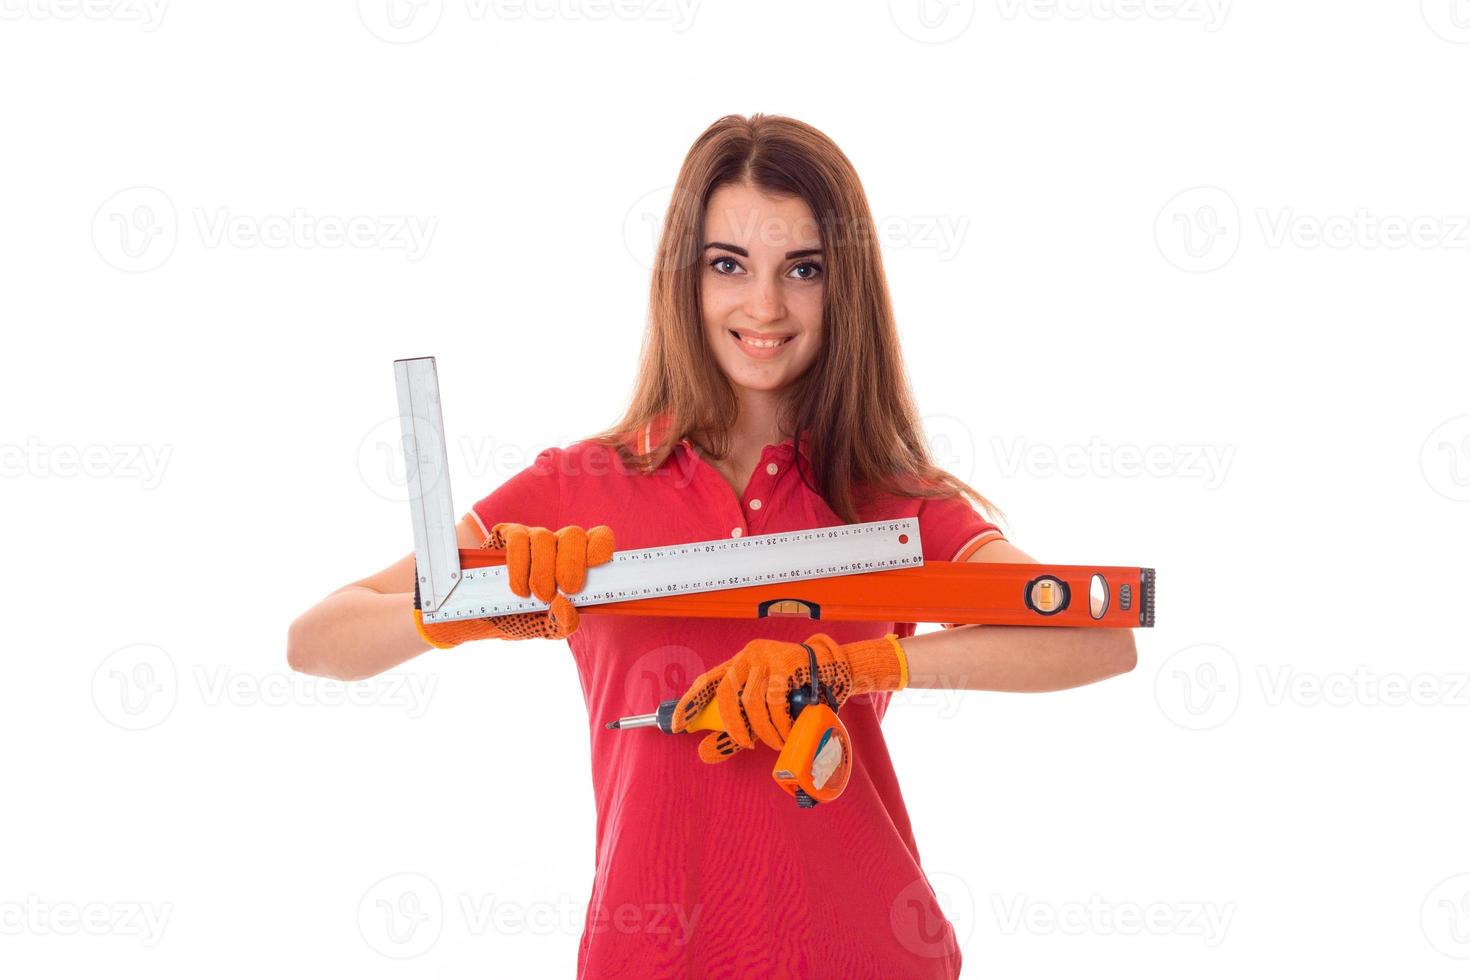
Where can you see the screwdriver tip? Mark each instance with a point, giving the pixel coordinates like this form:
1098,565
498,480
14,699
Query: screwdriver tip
612,724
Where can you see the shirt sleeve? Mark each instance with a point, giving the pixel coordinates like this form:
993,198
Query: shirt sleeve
952,529
531,497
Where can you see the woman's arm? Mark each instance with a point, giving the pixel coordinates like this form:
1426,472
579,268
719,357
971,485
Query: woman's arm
367,627
1016,658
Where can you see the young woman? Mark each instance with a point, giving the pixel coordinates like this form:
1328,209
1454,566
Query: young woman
771,397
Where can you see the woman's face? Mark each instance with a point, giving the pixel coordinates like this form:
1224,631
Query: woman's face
761,286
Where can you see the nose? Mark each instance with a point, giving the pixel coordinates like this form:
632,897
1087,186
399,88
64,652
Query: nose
767,302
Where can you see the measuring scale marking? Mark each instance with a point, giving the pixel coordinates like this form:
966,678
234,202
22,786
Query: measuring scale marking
705,566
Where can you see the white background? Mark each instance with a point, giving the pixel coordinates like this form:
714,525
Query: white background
1227,239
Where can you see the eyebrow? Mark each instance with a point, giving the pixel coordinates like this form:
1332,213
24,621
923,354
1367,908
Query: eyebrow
797,254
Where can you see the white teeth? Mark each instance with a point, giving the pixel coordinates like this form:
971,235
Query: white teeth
761,343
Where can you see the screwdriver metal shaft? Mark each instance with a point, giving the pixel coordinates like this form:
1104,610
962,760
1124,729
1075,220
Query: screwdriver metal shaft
635,721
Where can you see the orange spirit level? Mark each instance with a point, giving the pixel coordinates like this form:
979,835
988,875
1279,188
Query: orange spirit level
997,593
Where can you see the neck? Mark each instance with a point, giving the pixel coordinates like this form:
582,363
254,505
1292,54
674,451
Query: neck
757,425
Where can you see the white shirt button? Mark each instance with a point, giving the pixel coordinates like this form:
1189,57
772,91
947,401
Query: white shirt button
755,504
771,468
735,533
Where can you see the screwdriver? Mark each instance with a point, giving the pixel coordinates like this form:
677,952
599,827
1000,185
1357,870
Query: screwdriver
816,760
708,719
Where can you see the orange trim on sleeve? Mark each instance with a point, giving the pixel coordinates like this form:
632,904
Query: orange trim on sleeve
969,548
974,544
484,533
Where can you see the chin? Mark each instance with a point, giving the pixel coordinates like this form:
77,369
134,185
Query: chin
760,384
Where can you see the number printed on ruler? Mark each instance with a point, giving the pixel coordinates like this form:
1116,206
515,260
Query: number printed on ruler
705,566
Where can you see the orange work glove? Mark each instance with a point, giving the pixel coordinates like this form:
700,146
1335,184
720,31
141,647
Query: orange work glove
751,687
537,562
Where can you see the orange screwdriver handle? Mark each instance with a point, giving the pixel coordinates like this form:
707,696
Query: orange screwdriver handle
708,719
814,764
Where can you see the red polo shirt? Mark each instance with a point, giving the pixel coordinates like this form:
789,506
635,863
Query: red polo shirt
711,871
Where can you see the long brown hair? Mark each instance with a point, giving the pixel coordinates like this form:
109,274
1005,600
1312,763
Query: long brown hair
854,402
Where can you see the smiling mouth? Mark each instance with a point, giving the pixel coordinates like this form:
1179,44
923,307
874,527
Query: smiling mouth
760,344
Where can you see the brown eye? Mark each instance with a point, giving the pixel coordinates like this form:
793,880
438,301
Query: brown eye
721,261
815,270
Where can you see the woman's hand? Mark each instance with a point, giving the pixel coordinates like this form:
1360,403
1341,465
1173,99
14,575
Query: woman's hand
538,562
751,688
